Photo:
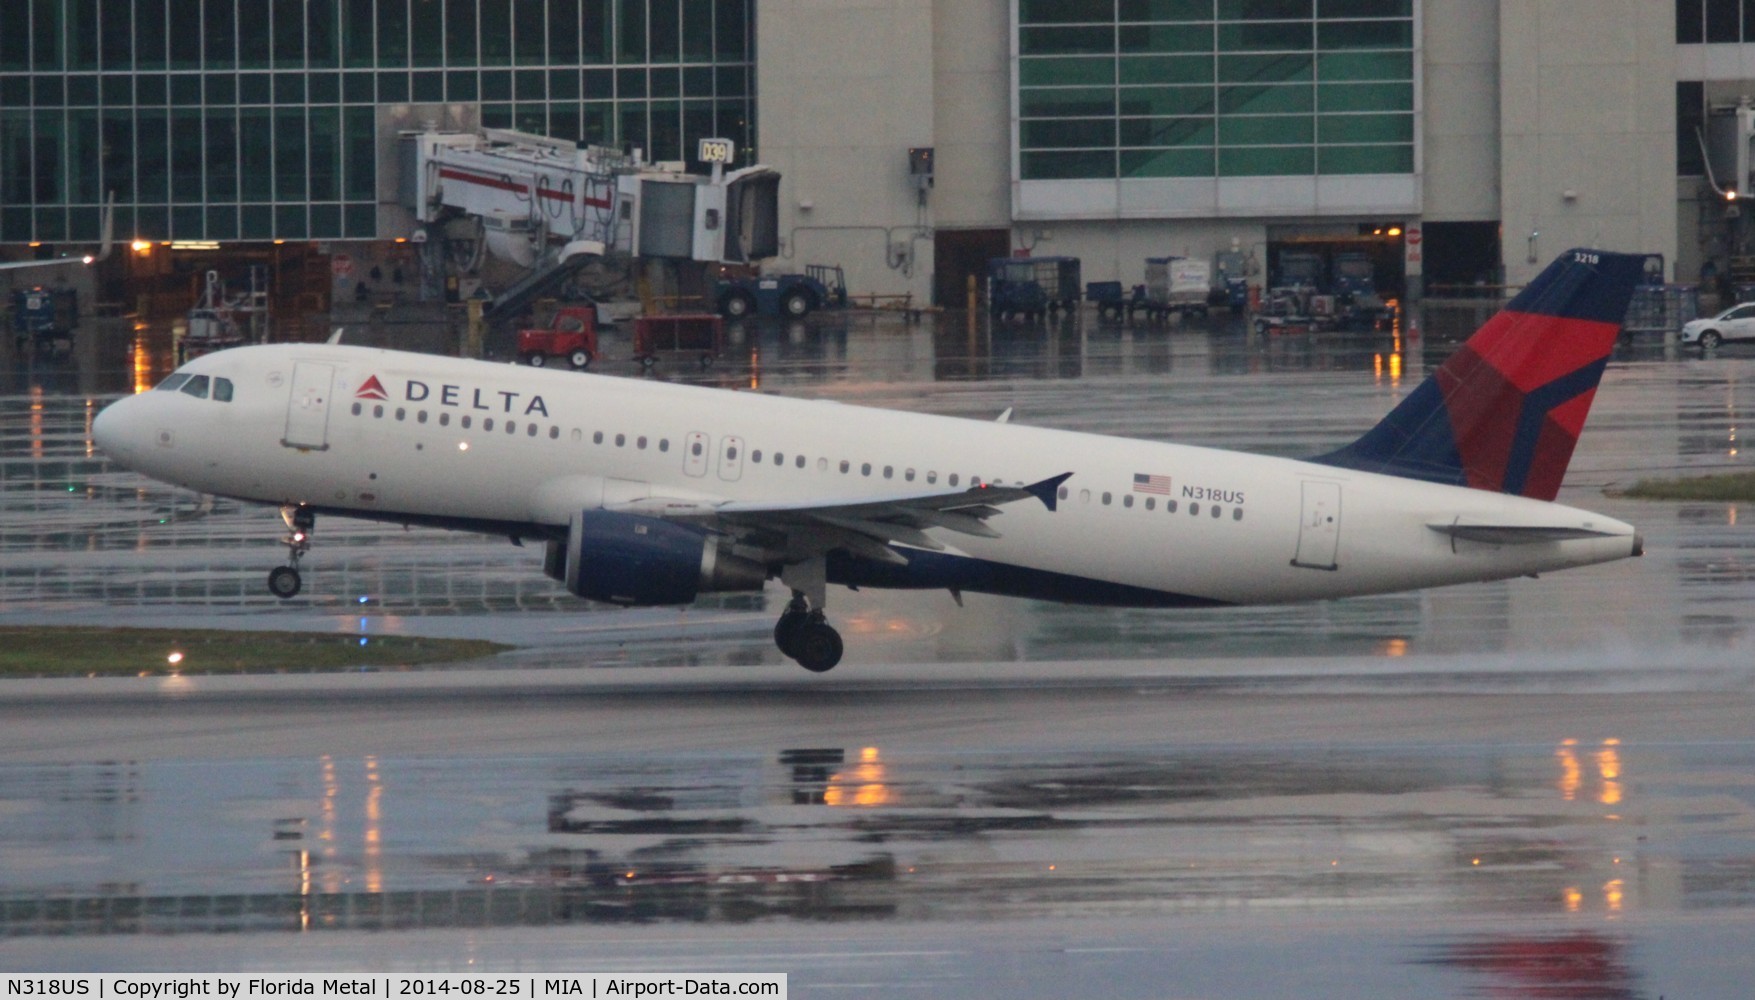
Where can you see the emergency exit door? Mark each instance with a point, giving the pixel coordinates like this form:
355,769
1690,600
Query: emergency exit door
1319,532
307,410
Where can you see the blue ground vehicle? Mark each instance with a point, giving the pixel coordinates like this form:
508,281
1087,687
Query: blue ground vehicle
1032,287
44,318
1230,281
821,286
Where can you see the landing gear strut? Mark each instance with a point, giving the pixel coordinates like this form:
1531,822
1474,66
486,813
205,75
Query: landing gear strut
284,581
803,634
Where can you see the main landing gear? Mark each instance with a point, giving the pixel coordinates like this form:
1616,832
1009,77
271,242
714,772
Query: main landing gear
284,581
803,634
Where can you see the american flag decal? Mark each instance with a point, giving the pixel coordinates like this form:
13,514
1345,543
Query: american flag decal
1143,483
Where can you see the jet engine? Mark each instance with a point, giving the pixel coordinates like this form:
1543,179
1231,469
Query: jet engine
633,560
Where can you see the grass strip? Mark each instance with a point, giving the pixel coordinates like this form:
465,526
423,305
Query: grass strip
33,651
1730,487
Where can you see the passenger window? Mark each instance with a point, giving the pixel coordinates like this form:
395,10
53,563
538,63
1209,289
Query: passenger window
865,468
1106,498
222,389
401,413
909,475
932,477
1127,501
1237,514
378,411
196,386
554,433
640,442
1217,510
731,453
358,409
597,438
1194,509
420,417
511,427
1150,503
1170,505
487,423
779,459
844,466
953,479
663,444
620,440
172,383
756,456
531,430
444,420
889,471
1062,493
695,449
465,422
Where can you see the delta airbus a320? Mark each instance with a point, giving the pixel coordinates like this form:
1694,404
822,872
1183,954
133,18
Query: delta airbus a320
649,494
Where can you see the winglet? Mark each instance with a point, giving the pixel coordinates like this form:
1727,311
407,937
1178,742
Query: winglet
1048,489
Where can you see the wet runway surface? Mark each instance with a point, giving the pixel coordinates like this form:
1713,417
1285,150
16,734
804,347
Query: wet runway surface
1539,788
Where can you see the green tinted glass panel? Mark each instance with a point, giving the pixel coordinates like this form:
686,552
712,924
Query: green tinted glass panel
257,222
1065,11
222,222
1167,38
51,224
462,85
1265,10
1365,35
1162,102
1331,9
255,154
1365,66
1167,163
664,31
1065,72
1068,165
361,221
496,34
1167,69
326,153
1267,100
1368,159
1366,128
1365,97
290,138
325,222
528,30
1290,67
1267,130
289,222
731,28
1166,131
563,33
1264,36
460,34
428,30
186,154
1066,41
1267,161
1072,102
15,42
222,156
187,222
1070,133
1166,10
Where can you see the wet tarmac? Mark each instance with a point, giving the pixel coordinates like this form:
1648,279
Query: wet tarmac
1538,788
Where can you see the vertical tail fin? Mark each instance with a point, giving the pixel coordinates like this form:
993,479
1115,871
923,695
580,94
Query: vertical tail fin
1504,412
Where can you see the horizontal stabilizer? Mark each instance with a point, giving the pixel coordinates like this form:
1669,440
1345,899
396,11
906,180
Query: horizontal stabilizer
1515,534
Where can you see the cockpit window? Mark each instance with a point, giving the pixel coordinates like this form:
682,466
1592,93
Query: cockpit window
173,383
222,389
196,386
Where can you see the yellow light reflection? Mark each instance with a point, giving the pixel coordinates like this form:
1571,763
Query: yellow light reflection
374,852
1395,647
36,422
862,786
90,414
142,363
1570,773
1613,895
304,890
1574,899
1608,762
1377,368
1395,369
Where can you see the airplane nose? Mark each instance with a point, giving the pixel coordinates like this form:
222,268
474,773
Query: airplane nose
108,430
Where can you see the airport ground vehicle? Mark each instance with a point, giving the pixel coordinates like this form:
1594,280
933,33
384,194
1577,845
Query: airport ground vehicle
571,337
821,286
1177,286
701,334
1230,281
1735,323
1032,287
43,318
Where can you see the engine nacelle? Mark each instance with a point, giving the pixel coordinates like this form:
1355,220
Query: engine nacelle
633,560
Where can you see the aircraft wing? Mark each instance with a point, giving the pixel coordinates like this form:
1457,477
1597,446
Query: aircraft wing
865,526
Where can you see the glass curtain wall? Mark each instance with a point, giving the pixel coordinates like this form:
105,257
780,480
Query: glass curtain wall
255,119
1113,89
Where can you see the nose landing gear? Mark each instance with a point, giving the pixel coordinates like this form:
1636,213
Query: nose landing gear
284,581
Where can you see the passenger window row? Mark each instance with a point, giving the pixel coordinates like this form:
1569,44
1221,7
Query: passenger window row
1195,509
758,457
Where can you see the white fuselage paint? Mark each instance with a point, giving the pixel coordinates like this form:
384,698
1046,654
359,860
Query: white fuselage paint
395,464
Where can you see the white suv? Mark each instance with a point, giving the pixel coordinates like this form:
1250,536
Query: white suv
1735,323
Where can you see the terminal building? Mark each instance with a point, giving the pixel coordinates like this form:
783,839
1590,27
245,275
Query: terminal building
1459,142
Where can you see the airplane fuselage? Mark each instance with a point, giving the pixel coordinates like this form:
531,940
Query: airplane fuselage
506,449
